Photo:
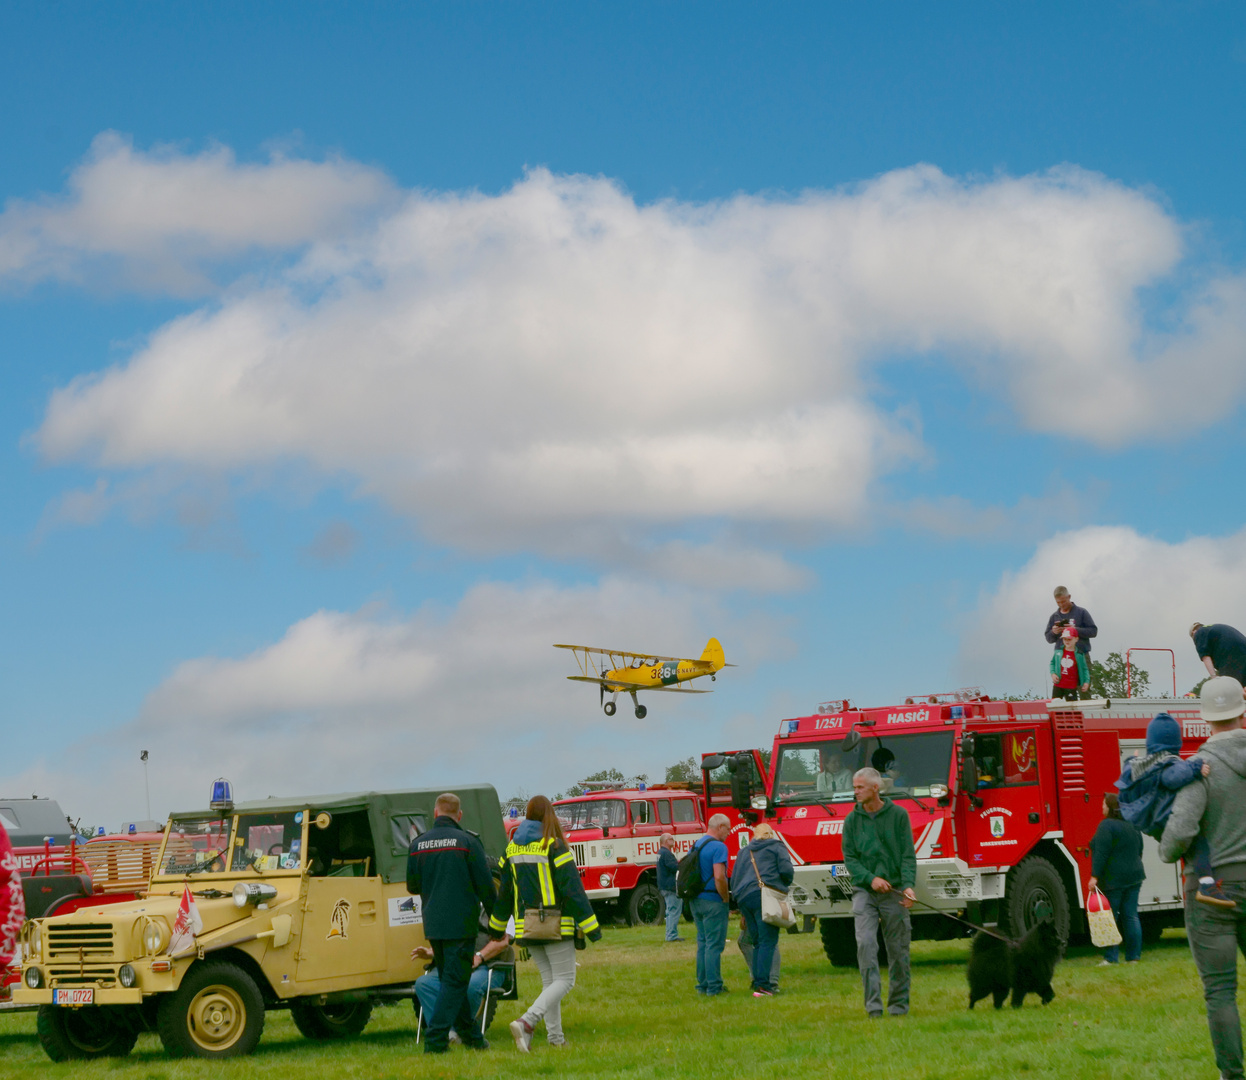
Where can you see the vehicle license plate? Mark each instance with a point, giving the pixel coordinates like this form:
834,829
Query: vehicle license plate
77,996
839,871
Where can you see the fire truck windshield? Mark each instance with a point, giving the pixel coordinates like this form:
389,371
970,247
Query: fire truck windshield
592,814
821,772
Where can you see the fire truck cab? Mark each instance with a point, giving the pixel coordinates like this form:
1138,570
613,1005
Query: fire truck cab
1003,796
614,834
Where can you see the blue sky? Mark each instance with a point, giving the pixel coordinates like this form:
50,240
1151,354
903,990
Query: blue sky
354,354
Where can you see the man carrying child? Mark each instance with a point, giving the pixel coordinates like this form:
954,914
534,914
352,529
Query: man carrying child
1211,810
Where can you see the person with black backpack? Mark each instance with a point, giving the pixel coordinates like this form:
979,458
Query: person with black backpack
702,880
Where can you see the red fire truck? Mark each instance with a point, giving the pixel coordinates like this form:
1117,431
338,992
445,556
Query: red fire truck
613,833
1004,797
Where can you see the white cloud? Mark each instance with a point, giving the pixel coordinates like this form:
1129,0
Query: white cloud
1142,592
159,216
367,699
556,359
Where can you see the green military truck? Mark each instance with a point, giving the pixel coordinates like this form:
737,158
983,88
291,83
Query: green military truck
294,903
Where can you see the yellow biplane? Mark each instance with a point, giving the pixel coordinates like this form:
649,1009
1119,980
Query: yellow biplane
629,672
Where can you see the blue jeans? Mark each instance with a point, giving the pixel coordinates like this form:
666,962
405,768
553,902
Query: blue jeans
709,912
1124,904
765,940
427,987
1216,936
674,909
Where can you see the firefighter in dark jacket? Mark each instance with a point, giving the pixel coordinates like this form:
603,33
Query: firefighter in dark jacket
541,890
448,868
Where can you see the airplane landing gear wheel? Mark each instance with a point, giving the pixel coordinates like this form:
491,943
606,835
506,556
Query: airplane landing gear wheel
608,708
641,712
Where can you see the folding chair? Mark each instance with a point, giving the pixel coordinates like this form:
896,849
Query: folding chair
508,991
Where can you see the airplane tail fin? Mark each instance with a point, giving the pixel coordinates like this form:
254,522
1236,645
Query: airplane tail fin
713,654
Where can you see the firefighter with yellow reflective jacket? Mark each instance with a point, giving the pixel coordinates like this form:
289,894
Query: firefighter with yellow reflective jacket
541,891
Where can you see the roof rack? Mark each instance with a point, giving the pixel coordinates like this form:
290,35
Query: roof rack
949,697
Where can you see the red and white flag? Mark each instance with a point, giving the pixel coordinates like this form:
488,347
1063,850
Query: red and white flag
186,925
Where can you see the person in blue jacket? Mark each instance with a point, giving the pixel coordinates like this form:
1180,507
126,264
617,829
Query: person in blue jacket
767,856
668,866
1148,787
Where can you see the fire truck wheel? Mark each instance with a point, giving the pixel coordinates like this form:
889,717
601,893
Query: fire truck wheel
90,1032
608,708
1033,883
645,906
839,942
330,1021
217,1012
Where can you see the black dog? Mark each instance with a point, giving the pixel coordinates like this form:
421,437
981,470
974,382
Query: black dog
1024,967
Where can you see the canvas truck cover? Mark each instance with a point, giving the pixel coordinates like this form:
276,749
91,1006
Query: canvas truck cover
395,817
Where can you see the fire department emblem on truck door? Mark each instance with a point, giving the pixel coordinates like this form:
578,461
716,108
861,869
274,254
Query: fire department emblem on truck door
997,826
339,920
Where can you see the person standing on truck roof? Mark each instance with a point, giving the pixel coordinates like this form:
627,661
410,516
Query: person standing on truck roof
448,869
1070,671
1212,808
12,902
668,866
709,906
1068,614
1222,648
881,860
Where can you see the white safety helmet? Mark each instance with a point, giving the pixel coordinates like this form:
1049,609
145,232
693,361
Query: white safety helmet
1221,699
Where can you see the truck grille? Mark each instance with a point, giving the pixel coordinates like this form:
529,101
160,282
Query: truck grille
86,975
80,940
578,851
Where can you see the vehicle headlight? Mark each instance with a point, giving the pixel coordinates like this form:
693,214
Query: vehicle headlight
153,938
604,879
34,941
33,978
126,976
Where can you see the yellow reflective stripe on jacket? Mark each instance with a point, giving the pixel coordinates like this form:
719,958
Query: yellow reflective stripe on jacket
589,925
535,853
564,858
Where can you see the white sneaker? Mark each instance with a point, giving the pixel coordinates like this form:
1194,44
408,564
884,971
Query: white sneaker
522,1035
1106,963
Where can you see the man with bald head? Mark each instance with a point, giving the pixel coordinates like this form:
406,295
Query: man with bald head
880,857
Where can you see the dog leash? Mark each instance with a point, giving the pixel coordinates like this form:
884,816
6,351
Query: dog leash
966,922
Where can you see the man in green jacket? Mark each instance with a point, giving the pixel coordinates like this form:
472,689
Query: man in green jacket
879,856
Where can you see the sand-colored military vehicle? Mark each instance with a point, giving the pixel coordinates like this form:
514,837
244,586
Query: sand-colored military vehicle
298,903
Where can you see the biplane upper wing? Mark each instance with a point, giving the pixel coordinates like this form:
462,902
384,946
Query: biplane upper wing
618,652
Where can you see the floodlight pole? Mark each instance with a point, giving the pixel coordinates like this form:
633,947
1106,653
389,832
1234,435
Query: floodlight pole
146,782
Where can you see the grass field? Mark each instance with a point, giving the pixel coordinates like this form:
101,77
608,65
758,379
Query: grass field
634,1013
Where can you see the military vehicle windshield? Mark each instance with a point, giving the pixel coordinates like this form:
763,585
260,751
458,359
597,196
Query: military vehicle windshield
196,845
821,772
268,842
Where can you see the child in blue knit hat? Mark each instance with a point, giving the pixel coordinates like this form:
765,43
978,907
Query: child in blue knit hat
1148,786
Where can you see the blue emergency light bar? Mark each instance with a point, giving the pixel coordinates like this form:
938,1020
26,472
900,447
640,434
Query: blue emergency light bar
222,795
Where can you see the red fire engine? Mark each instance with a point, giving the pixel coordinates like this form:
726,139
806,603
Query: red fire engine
613,833
1004,797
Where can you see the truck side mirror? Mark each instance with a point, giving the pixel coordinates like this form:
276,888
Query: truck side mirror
969,775
711,762
741,769
851,741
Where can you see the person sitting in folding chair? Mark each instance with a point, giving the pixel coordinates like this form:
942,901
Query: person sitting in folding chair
492,977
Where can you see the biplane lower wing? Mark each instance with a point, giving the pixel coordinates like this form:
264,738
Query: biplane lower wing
624,687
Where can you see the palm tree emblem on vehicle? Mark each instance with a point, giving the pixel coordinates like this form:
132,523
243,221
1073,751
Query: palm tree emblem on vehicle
339,920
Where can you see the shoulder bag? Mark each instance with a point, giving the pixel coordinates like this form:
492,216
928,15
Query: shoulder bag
776,908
